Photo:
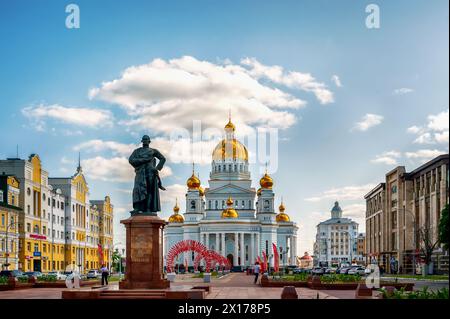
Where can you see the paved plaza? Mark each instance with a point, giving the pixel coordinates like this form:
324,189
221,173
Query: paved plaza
231,286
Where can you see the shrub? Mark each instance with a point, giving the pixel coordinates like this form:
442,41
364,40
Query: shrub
22,279
47,278
3,280
418,294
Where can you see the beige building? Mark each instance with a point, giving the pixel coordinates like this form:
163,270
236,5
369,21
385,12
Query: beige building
401,206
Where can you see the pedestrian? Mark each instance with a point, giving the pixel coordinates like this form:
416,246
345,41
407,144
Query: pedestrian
256,270
105,274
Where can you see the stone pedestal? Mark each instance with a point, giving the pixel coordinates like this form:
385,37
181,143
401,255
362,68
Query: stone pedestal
144,261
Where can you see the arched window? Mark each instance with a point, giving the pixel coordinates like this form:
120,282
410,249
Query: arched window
209,204
217,204
36,229
243,204
192,204
223,204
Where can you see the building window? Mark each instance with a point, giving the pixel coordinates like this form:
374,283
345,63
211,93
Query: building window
36,229
29,227
3,220
28,191
1,196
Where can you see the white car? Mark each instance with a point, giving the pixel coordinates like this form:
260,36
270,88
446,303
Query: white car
59,275
357,270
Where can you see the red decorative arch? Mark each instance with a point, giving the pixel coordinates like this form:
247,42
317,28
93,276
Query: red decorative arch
211,257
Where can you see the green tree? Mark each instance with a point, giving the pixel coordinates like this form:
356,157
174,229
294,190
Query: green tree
443,228
116,260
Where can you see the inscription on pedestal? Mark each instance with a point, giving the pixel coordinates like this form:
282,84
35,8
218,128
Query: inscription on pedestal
141,249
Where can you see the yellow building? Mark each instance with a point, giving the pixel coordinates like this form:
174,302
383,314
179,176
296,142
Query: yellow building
9,221
58,227
105,225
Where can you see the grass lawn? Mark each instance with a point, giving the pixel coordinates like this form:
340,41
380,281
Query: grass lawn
419,277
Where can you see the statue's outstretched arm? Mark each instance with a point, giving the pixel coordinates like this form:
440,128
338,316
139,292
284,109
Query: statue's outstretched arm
161,159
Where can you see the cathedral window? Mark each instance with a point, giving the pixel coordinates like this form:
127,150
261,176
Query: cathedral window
193,204
223,204
243,204
217,204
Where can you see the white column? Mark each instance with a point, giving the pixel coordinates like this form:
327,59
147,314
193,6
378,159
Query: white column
235,257
242,250
258,250
251,249
223,245
217,243
207,240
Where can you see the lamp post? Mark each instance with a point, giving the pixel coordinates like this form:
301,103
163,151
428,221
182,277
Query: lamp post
6,247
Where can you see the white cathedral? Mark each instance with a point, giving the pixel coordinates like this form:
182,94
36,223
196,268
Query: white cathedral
226,217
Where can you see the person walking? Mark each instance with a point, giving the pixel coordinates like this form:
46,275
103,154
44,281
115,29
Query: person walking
105,274
256,270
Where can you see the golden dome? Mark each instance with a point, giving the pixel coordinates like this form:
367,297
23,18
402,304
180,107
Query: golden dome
230,148
176,217
282,216
266,181
258,192
193,182
230,212
201,191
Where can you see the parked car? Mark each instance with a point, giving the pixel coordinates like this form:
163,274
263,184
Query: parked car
59,275
368,271
318,271
11,273
33,274
357,271
344,270
93,274
330,270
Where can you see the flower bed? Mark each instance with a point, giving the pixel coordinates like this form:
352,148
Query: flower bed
332,282
419,294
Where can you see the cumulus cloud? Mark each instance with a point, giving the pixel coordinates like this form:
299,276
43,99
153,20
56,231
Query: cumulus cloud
354,192
368,121
388,158
87,117
165,95
291,79
116,169
436,131
424,154
182,150
336,80
402,91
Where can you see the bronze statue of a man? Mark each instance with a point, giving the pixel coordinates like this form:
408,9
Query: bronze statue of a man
147,181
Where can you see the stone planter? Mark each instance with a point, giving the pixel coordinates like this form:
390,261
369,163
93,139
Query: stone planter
207,277
171,276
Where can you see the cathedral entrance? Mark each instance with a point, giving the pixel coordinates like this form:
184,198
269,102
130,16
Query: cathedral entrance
230,258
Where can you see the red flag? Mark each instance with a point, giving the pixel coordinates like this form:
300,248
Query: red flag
100,253
265,261
276,258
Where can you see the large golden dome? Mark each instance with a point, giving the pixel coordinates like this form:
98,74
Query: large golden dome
230,212
282,216
176,217
193,182
266,181
230,148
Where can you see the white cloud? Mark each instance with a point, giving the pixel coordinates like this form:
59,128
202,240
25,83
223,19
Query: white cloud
116,169
167,95
402,91
356,192
388,158
436,131
336,80
424,155
100,145
368,121
87,117
182,150
291,79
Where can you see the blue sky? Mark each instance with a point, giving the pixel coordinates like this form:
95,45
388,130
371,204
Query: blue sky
393,81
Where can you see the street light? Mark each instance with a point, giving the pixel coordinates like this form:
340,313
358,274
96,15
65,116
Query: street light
6,238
